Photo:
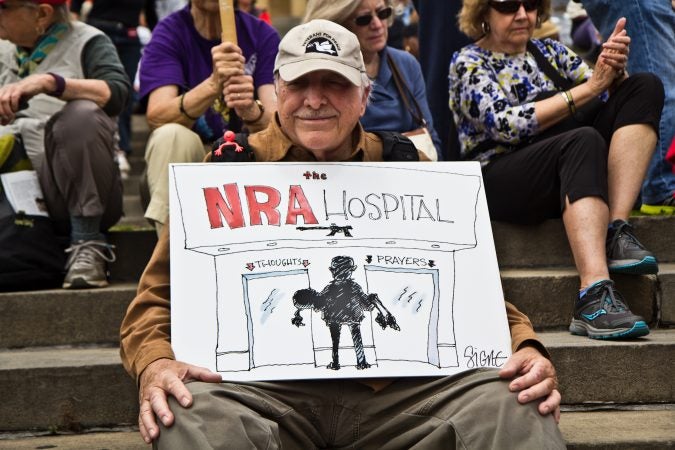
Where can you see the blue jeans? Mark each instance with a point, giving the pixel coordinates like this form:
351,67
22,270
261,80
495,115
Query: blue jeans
651,26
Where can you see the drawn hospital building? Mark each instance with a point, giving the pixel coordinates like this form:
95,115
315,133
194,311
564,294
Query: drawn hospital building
252,302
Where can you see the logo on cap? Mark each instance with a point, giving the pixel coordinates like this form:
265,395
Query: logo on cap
321,43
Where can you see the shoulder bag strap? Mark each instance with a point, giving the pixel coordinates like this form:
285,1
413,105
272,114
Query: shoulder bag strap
405,93
545,66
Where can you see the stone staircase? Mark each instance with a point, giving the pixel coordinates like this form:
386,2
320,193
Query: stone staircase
64,387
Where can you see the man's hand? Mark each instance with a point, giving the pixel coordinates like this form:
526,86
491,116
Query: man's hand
228,61
162,377
535,379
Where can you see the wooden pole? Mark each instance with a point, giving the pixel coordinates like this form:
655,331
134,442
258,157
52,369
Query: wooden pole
229,33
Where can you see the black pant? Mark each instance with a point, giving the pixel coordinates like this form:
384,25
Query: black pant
530,184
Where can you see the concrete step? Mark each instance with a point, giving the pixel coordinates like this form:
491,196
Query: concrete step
130,185
546,294
65,388
133,213
619,430
64,317
583,430
93,316
546,244
97,439
72,388
133,249
593,372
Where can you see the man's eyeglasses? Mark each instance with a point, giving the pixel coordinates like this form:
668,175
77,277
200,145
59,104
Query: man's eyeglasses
381,14
512,6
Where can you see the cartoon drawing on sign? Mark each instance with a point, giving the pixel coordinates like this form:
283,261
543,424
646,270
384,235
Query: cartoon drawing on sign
325,271
343,302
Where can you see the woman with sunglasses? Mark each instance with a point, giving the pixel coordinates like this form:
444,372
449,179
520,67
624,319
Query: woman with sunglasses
557,139
387,110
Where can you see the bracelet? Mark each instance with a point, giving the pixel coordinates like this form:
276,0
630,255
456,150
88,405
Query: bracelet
567,95
182,108
262,111
60,85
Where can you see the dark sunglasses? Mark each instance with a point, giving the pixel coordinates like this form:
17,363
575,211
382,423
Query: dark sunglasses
381,14
512,6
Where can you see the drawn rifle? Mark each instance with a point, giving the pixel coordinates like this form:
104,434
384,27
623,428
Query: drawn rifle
334,229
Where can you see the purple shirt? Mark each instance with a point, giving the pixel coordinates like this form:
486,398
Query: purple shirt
178,55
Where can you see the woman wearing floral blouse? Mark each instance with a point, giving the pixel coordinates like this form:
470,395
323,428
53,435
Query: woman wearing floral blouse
522,109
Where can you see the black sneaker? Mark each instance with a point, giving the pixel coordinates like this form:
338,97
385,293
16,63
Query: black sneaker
600,313
625,254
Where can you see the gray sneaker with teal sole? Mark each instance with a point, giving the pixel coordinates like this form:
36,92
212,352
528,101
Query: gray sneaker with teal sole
625,254
600,313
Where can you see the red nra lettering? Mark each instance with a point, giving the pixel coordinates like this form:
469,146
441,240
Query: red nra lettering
217,207
269,207
296,196
261,200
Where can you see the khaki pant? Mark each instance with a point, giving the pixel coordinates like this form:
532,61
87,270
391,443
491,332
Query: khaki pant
78,173
170,143
473,410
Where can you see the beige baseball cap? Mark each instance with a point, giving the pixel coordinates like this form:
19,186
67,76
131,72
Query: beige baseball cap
320,45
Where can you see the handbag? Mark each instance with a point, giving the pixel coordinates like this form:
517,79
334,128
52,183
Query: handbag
420,137
31,255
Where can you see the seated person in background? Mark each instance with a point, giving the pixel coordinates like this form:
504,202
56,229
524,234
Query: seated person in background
250,7
387,110
411,41
586,38
391,413
652,24
198,87
119,20
73,81
538,163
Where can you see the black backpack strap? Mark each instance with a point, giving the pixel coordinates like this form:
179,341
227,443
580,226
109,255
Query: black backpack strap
397,147
241,152
545,66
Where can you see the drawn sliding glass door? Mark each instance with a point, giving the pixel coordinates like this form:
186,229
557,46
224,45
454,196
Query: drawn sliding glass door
269,305
416,311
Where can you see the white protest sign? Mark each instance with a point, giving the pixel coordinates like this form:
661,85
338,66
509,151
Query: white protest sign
333,270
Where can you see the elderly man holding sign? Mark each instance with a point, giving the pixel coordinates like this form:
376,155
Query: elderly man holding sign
321,96
196,86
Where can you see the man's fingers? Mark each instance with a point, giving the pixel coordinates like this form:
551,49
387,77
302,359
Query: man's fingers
537,391
513,365
203,374
176,387
551,405
537,373
146,422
